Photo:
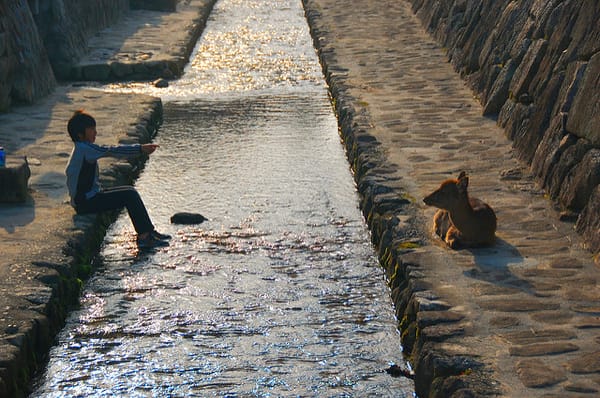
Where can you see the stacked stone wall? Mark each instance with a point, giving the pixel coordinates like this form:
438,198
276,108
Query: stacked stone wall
40,39
66,25
535,66
25,72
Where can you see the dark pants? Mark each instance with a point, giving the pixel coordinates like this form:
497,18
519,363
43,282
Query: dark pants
117,198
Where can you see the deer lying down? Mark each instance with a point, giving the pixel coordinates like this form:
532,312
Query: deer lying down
461,221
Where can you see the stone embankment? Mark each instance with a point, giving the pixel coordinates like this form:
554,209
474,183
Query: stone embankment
518,319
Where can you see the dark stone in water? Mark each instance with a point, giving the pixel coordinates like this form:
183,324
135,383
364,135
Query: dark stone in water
161,83
187,218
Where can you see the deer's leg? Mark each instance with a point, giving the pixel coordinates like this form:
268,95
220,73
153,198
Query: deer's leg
454,238
441,223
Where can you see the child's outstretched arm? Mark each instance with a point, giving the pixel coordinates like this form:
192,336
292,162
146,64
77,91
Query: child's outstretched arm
93,152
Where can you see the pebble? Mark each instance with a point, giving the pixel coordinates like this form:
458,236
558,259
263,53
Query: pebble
187,218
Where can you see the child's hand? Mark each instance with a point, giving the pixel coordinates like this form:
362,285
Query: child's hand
149,148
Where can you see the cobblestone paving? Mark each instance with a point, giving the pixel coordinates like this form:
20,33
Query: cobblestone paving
529,307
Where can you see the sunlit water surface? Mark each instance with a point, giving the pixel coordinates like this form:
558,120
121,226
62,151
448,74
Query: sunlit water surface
279,293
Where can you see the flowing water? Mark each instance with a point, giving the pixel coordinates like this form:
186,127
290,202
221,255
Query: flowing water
280,292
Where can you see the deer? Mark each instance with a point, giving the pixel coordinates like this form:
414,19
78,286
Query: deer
461,221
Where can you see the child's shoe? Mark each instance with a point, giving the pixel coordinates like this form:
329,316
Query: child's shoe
150,242
160,236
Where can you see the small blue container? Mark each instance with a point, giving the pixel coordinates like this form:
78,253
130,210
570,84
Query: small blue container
2,157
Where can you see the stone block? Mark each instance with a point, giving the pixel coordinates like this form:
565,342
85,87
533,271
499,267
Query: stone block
5,99
570,157
63,70
583,118
585,364
499,91
574,75
121,69
580,182
533,373
4,68
527,68
3,43
588,223
96,72
14,180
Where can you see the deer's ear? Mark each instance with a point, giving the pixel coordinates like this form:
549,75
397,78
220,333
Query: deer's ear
461,175
463,183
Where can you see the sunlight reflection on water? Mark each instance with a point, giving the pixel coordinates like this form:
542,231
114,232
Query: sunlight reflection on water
250,54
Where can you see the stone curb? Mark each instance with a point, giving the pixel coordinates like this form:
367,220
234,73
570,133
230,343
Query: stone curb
393,220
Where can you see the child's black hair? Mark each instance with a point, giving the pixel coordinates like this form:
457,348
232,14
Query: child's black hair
78,123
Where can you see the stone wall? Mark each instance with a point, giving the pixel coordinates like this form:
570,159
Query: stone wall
25,72
535,66
66,25
41,38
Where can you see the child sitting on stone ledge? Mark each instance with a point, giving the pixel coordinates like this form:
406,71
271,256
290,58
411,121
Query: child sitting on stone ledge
84,186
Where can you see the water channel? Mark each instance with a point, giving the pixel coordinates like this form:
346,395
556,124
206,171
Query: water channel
280,292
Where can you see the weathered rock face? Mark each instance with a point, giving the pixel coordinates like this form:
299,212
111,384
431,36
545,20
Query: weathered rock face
535,64
25,72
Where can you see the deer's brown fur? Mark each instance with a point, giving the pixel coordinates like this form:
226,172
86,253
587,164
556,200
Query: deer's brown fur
461,221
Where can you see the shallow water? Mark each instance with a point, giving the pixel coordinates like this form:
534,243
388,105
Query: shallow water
280,292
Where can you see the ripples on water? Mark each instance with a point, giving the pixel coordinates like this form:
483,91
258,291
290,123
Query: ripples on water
279,293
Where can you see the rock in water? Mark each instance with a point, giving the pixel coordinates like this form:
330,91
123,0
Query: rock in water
161,83
187,218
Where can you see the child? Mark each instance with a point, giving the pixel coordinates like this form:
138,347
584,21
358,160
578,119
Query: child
84,186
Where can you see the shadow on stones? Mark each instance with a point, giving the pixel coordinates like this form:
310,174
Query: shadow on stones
492,264
17,215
